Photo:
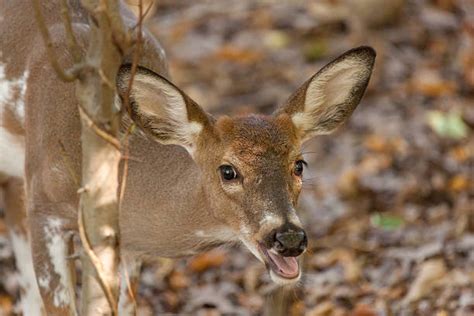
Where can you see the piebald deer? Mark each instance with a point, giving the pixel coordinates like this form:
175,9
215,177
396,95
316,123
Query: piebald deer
198,181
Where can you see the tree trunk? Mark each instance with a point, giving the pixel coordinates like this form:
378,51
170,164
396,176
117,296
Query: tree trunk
101,156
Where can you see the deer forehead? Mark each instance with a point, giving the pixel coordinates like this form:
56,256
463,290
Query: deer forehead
253,139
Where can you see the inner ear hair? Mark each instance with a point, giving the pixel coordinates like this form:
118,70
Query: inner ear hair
328,98
160,108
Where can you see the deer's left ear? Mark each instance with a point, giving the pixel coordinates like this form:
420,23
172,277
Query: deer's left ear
328,98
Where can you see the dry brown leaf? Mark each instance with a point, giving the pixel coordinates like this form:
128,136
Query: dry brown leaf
178,280
6,305
373,163
458,183
238,55
363,310
429,275
348,183
376,143
297,308
323,309
428,82
461,153
210,259
171,299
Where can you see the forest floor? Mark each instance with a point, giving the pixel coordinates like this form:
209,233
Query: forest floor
388,200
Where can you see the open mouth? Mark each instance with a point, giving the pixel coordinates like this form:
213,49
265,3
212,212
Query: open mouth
284,267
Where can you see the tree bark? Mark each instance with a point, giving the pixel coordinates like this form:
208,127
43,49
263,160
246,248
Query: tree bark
101,156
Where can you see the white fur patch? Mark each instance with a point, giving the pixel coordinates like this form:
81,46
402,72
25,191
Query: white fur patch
271,220
44,279
12,157
7,93
293,218
30,297
57,250
282,281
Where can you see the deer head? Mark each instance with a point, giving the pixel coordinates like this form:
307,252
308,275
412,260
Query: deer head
252,166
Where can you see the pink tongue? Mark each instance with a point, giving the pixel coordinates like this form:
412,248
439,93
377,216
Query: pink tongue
288,265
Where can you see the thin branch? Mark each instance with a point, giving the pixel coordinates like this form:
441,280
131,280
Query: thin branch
70,37
126,101
95,127
129,285
126,153
105,80
136,57
64,75
97,264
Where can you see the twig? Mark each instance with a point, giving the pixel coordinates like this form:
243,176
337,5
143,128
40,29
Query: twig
96,263
126,101
125,164
95,127
126,147
105,80
136,57
71,38
64,75
129,285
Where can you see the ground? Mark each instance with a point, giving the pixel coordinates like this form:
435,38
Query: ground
389,198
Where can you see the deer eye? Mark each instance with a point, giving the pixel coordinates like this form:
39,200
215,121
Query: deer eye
299,166
228,173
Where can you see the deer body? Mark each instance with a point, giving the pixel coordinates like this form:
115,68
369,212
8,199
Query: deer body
194,182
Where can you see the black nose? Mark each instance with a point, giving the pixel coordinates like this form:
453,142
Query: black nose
290,242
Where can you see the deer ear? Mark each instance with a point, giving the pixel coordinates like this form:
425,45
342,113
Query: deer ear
328,98
161,109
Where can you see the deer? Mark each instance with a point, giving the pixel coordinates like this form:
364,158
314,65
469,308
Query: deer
198,182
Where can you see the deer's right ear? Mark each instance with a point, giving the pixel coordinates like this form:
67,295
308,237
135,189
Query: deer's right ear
161,109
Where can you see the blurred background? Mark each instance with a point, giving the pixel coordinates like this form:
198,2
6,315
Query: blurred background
388,199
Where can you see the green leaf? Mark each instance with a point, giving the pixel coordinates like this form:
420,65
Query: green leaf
385,221
448,125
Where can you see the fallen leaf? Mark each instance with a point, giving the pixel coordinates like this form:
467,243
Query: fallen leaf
363,310
323,309
178,280
238,55
297,308
458,183
386,221
376,143
6,305
448,125
428,82
276,39
429,275
207,260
